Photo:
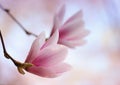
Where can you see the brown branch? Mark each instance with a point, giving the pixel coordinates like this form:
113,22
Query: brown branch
10,15
20,66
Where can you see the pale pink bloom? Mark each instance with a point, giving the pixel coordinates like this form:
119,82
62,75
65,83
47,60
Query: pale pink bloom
72,31
47,57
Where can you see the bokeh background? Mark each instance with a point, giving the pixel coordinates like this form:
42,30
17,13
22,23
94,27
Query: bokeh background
95,63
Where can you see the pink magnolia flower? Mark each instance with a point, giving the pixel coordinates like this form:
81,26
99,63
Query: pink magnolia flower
47,57
71,32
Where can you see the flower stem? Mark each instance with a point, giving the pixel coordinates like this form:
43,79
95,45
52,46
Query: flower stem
10,15
20,66
4,50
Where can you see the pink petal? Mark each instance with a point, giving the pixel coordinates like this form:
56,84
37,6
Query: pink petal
74,21
72,27
76,16
58,18
76,35
70,31
74,24
72,44
51,55
49,72
36,46
52,40
61,13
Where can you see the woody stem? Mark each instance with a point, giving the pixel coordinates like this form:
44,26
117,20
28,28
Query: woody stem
20,66
5,52
10,15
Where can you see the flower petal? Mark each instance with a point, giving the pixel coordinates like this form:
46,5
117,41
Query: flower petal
49,72
53,39
61,13
76,16
51,55
36,46
58,18
72,44
76,35
73,25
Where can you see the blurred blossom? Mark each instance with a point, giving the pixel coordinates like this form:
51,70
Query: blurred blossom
72,31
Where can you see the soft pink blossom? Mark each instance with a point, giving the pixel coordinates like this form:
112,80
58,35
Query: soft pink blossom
72,31
47,57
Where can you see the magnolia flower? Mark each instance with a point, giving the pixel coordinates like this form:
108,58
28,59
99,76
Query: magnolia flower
47,57
72,31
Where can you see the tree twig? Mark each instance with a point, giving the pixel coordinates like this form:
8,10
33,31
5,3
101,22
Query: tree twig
8,12
20,66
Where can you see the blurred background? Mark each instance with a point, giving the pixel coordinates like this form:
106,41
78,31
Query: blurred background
95,63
